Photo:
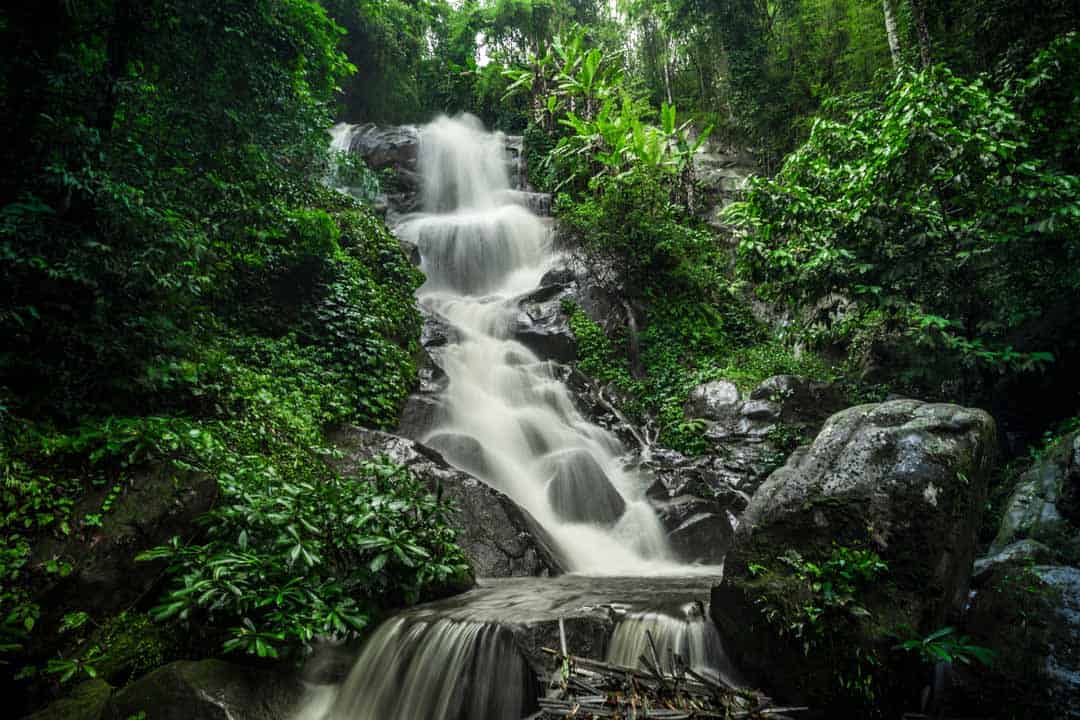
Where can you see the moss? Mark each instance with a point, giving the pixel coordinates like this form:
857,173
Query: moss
86,701
134,645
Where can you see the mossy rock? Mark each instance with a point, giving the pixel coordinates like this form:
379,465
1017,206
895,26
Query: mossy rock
904,479
86,701
208,690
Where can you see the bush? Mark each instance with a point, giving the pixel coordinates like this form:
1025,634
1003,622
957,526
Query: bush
946,207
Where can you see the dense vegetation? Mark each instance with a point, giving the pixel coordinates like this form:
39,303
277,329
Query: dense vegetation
181,291
183,294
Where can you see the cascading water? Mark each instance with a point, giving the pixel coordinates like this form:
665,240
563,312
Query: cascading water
692,637
507,418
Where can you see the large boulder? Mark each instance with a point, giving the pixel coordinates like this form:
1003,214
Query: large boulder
388,146
499,538
1046,501
208,690
905,479
159,502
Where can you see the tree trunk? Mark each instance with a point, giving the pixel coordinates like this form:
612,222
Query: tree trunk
890,31
922,32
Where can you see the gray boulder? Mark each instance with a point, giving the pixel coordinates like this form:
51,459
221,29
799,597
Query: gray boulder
389,146
208,690
499,538
718,401
904,478
1046,499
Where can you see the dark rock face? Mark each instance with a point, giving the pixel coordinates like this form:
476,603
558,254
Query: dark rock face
160,503
208,690
580,491
499,538
1030,616
905,476
1026,604
543,327
699,530
423,409
751,436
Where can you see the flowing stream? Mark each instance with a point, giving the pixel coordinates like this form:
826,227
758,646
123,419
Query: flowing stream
509,420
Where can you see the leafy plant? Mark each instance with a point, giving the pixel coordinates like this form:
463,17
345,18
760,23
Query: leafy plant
946,645
289,560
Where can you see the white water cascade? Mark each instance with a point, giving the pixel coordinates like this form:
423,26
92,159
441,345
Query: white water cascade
507,417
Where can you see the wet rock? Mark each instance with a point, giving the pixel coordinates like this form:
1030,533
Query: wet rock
718,400
580,491
802,402
908,477
543,327
86,701
390,146
499,538
208,690
699,530
420,414
1020,551
1046,500
461,451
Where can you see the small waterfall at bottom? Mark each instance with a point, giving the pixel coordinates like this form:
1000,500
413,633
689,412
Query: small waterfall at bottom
432,668
692,637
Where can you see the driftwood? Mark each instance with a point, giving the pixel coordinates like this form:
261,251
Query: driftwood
585,688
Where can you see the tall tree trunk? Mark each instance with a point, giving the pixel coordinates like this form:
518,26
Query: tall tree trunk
922,32
890,31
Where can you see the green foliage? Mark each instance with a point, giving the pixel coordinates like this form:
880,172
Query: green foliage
312,555
181,291
932,204
946,645
820,604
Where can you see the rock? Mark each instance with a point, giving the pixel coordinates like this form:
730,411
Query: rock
718,400
909,478
208,690
86,701
499,538
543,327
699,530
1046,499
391,146
1019,552
1029,615
461,451
580,491
419,415
159,502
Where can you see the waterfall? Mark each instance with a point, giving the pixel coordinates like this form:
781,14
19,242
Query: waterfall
442,669
691,636
508,418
